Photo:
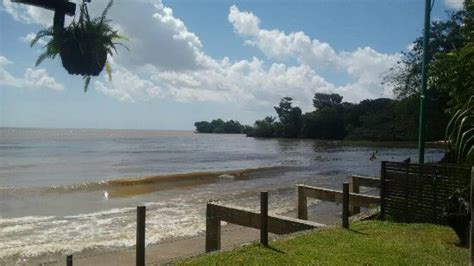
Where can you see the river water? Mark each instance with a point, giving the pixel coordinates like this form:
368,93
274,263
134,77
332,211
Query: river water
68,190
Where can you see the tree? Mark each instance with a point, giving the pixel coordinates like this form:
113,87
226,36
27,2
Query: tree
232,126
445,36
203,127
219,126
460,134
290,118
322,100
325,123
375,121
264,128
453,72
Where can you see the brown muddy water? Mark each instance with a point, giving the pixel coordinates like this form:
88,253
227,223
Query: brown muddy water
68,190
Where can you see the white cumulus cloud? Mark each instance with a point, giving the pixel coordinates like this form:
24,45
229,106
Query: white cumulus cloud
167,61
364,65
32,78
455,4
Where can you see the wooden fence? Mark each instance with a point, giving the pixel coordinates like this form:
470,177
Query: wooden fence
357,181
277,224
355,199
418,193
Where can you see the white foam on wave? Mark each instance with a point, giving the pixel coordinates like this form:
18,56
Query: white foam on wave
100,213
23,220
27,237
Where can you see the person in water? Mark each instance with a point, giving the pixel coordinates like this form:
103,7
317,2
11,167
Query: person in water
373,156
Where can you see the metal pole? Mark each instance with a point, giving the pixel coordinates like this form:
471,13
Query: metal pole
140,245
264,218
424,79
69,260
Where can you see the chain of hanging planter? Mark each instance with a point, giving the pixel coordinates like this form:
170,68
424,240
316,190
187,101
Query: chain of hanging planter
83,45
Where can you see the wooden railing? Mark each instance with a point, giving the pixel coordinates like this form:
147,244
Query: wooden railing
325,194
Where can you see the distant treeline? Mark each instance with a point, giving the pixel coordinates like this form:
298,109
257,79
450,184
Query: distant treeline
379,120
221,126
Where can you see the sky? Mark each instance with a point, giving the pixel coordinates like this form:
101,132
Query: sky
195,60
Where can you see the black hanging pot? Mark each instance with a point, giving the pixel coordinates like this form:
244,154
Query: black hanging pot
79,55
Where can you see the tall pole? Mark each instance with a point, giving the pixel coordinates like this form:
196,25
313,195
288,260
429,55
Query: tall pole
424,80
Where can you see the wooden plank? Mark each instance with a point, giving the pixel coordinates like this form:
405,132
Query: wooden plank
366,181
277,224
68,7
140,241
213,229
302,203
383,196
354,187
336,196
264,218
69,260
345,205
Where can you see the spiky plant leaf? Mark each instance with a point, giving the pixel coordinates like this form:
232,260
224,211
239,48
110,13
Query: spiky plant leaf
87,80
106,10
41,34
41,58
108,69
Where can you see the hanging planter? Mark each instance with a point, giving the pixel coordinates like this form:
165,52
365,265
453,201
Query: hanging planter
83,45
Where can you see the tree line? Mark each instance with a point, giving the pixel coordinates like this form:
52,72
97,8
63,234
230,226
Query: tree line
378,119
221,126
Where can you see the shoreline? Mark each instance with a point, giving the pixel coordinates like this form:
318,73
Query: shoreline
174,249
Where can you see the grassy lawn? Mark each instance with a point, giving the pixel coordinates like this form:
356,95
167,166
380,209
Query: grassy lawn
369,242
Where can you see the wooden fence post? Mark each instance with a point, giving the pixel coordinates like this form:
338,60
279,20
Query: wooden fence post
382,191
69,260
354,187
405,188
345,205
264,218
140,245
471,233
213,230
302,204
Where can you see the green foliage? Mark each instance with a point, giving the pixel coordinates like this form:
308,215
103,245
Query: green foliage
453,72
290,119
460,134
322,100
219,126
445,36
264,128
378,119
375,121
248,130
366,243
91,36
325,123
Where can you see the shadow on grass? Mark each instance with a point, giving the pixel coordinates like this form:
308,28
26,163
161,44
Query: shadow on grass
357,232
274,249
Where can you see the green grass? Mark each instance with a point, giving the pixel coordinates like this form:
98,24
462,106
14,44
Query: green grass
369,242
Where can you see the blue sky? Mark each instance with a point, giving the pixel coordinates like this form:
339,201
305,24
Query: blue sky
200,60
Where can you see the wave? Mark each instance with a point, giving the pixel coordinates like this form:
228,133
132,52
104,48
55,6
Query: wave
129,186
43,237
